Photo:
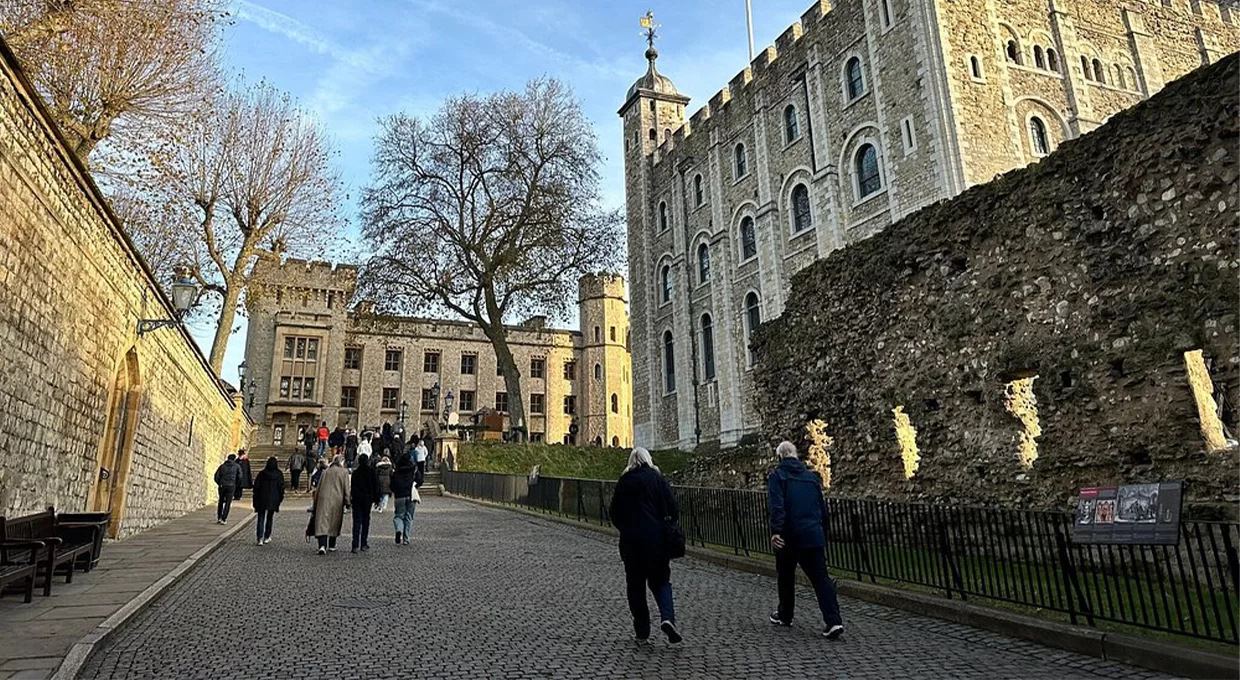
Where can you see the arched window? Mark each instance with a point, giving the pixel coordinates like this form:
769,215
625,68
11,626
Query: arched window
741,167
615,442
753,318
615,403
662,216
1039,57
667,134
1085,70
869,181
1100,73
1037,137
1120,79
708,348
802,219
654,136
749,240
1013,52
1052,60
669,363
598,334
854,80
665,282
598,371
792,129
975,67
703,263
699,193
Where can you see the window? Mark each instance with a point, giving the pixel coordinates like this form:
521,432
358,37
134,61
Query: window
538,403
284,386
469,364
615,442
598,334
662,216
854,80
802,219
501,402
391,360
708,348
297,388
288,347
869,181
391,397
298,368
1100,74
669,363
348,397
1052,60
792,130
749,241
885,6
753,318
613,333
1039,57
277,435
654,136
699,193
353,357
538,368
307,389
570,405
703,263
466,401
301,348
1085,70
570,370
740,166
430,362
1037,137
598,371
665,280
428,400
312,349
975,67
907,136
1013,52
615,403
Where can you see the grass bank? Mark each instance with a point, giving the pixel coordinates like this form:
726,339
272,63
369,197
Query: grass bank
557,460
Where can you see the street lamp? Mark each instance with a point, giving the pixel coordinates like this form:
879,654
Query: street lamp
250,395
184,294
404,410
435,393
241,376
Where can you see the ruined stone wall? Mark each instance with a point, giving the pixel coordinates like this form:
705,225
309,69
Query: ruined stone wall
1094,269
72,289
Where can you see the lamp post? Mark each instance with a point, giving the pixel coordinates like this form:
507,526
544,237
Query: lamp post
404,411
249,394
241,376
184,295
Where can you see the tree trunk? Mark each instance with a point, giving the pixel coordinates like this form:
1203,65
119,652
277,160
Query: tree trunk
512,377
223,329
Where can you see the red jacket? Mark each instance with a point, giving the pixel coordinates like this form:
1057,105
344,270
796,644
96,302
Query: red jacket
323,433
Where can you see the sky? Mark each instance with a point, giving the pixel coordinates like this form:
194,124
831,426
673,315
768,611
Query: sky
351,62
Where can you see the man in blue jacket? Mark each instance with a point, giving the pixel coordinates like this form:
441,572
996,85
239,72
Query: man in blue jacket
798,513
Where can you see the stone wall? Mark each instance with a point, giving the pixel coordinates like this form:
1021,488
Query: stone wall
1094,269
77,386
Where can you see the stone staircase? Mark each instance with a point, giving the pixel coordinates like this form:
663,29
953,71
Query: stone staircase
432,484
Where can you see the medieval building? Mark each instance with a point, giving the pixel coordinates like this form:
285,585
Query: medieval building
860,114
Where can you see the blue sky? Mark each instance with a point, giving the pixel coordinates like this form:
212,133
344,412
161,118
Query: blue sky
352,62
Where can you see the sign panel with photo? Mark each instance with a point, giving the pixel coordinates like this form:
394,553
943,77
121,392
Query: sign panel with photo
1132,514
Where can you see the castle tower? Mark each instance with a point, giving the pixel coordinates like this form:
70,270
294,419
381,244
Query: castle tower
604,369
653,110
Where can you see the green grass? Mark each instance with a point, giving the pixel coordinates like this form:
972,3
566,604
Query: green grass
582,462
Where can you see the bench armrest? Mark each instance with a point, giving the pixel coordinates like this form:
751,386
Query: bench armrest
35,547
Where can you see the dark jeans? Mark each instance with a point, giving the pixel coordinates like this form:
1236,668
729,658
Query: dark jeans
266,521
361,524
813,563
296,480
639,575
225,503
326,541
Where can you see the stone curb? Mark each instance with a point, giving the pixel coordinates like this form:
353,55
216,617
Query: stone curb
83,648
1159,656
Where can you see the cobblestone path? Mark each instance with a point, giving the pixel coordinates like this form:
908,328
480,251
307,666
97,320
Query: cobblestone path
486,593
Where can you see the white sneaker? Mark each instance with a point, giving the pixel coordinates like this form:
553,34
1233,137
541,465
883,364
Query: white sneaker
833,632
266,541
322,551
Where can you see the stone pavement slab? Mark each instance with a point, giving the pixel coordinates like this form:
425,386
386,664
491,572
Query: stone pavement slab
35,638
487,593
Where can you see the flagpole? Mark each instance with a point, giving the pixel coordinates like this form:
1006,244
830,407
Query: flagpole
749,26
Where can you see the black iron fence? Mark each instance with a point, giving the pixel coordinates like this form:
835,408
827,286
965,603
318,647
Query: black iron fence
1022,557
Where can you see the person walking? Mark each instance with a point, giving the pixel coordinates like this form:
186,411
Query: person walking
335,441
330,499
268,495
247,474
384,472
317,476
351,445
419,454
642,507
363,445
323,434
296,463
798,515
364,492
227,479
309,438
407,498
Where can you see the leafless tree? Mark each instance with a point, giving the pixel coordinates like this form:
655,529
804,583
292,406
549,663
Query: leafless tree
108,65
253,179
488,209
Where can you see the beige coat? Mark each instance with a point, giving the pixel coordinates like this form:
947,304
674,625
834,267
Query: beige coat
330,500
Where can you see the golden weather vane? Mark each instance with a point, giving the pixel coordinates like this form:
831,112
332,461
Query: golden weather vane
647,22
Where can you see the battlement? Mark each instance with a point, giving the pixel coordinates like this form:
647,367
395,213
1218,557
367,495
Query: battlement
314,274
601,285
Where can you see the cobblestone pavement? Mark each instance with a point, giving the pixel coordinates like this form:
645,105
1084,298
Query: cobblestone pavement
483,592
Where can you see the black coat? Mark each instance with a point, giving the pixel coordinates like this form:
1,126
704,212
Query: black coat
798,510
364,487
642,500
336,438
268,490
403,478
247,475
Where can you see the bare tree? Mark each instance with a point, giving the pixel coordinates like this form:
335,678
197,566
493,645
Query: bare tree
254,178
108,64
489,209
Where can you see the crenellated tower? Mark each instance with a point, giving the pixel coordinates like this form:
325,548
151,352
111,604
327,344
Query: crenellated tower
604,367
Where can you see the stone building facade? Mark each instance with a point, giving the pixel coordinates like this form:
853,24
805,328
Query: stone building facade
92,416
314,359
859,115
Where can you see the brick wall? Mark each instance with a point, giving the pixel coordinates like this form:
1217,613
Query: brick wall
71,292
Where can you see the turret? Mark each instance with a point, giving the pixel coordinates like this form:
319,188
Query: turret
607,386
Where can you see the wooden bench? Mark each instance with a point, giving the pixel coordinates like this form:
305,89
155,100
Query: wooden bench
15,570
61,546
93,523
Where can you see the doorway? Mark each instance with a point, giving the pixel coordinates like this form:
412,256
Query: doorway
116,453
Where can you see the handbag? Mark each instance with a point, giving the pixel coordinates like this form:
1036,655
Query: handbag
673,538
310,525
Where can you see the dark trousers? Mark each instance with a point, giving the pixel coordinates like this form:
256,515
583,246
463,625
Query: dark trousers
266,520
296,480
327,542
225,503
361,525
813,562
640,575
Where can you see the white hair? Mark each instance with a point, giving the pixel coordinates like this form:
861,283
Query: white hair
786,449
638,458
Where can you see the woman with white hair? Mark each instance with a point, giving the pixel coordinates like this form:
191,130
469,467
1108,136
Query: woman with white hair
330,498
642,508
